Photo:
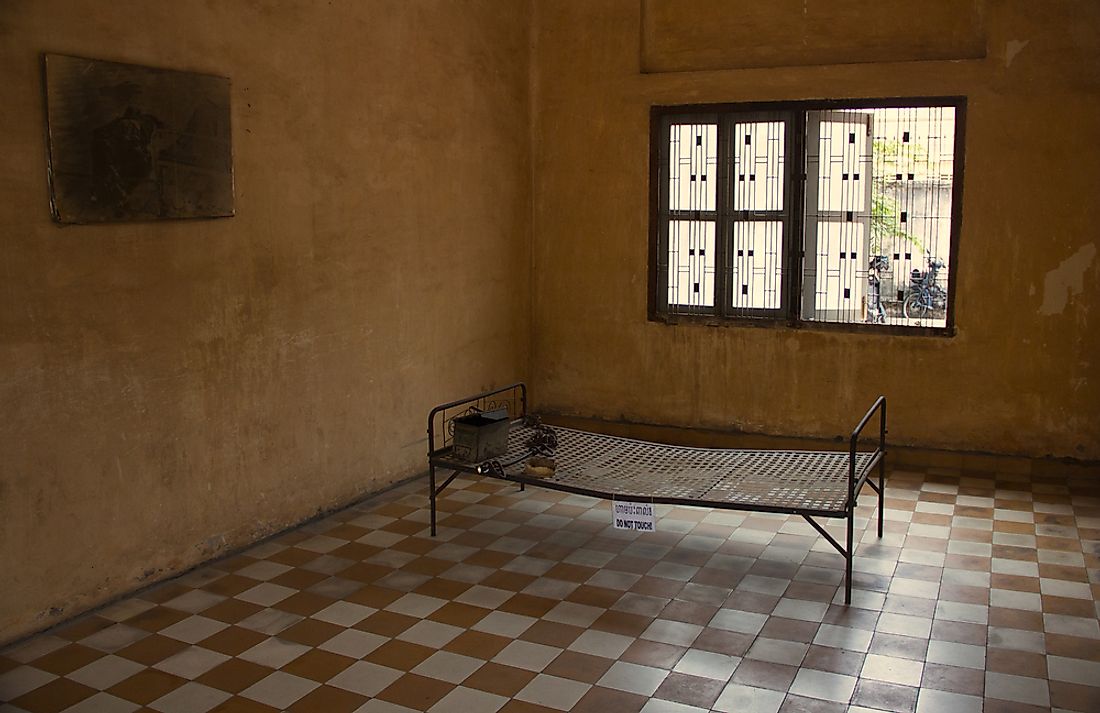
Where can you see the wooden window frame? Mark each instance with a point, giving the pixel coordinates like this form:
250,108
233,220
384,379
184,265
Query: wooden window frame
795,113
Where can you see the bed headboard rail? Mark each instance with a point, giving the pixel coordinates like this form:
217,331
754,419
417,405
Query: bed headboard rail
441,425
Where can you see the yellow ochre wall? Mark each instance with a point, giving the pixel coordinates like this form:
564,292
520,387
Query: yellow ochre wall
173,390
1020,376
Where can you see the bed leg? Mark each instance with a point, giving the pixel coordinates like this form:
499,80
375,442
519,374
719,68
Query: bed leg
522,487
848,558
881,492
431,494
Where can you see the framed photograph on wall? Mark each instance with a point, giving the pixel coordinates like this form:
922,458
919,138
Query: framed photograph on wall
132,143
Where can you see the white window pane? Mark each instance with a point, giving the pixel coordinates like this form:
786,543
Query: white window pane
691,263
841,271
758,165
757,264
844,167
693,167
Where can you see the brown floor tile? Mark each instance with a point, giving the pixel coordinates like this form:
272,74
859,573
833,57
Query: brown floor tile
318,665
293,557
328,700
1015,619
730,643
477,644
1017,663
416,545
468,538
170,590
311,632
907,647
491,559
229,564
7,664
657,587
967,681
1074,647
400,655
304,603
403,527
712,577
439,588
653,653
428,565
67,659
514,706
237,704
385,623
230,585
631,565
1014,582
552,633
232,640
231,610
599,597
157,618
298,579
824,658
152,649
764,674
56,695
363,572
528,605
885,696
374,596
458,614
959,632
571,572
811,591
617,622
85,626
561,510
578,666
789,629
146,686
1085,608
968,595
347,531
416,692
690,690
509,581
851,617
690,612
606,700
754,602
499,679
234,675
994,705
1069,574
1074,697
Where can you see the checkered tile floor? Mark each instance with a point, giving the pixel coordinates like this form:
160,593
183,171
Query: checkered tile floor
983,595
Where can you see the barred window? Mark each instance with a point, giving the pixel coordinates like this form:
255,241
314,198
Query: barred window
826,213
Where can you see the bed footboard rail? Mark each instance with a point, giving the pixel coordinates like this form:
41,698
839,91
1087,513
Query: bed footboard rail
856,482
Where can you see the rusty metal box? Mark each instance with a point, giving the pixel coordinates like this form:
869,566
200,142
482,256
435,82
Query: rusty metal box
481,436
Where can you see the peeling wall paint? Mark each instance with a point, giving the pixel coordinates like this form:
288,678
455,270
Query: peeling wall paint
1067,280
1013,48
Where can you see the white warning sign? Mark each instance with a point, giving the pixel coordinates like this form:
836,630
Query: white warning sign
632,516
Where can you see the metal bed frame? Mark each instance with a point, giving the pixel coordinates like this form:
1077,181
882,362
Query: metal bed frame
810,484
